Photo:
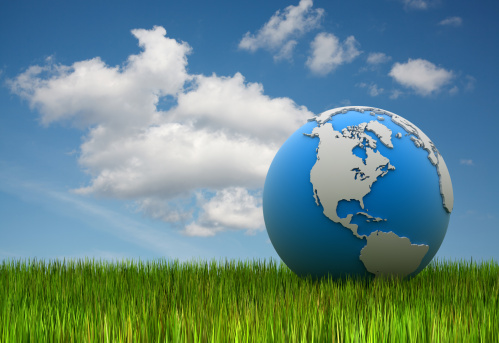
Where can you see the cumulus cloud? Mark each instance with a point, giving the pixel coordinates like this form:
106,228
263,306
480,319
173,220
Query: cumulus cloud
377,58
170,159
238,108
328,53
232,208
90,92
219,137
421,75
276,35
451,21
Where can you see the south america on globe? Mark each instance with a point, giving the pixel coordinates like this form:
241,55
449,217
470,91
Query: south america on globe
357,191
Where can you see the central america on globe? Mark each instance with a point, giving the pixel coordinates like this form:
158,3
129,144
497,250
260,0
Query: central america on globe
357,192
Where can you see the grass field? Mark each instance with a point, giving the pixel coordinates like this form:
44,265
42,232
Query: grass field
242,301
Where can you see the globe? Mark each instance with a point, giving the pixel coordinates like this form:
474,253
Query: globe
357,192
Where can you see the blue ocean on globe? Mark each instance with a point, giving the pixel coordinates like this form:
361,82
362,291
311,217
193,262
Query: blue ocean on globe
318,228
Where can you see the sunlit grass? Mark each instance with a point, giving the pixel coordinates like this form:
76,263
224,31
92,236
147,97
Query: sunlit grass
242,301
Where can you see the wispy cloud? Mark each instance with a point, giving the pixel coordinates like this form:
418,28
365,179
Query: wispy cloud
116,224
375,58
286,51
469,83
277,34
373,89
451,21
421,75
394,94
120,226
466,162
327,53
477,215
419,4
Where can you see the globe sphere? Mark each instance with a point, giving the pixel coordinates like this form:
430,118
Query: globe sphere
357,191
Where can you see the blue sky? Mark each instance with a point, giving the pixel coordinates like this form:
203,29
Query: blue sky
131,130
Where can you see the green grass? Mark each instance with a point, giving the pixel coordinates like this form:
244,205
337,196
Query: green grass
242,301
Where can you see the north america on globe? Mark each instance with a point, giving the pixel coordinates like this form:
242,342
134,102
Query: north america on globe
362,171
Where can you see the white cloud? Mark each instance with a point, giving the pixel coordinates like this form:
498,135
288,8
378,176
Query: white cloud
194,229
286,51
395,94
238,108
466,162
418,4
156,207
222,133
377,58
373,88
171,159
328,53
231,208
421,75
90,92
451,21
276,34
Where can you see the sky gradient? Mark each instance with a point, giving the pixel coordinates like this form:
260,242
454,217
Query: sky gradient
133,130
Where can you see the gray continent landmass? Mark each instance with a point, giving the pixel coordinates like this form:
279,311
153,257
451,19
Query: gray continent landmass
420,141
385,253
354,176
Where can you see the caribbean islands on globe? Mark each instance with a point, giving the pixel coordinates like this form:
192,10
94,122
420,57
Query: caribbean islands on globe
357,192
